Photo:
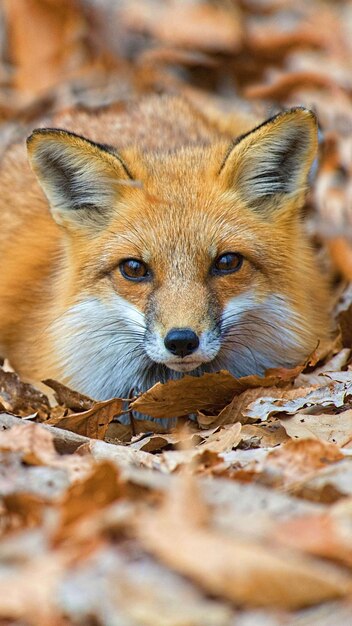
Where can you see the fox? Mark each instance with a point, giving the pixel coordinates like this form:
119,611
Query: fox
142,243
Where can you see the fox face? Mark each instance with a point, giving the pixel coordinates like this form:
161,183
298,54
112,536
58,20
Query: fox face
192,260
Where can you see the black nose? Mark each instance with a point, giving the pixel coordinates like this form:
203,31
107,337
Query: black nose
181,341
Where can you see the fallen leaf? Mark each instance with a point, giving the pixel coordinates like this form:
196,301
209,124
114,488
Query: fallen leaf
337,362
92,423
61,50
69,398
30,593
151,443
118,433
297,460
287,83
268,434
333,428
322,535
222,440
344,316
180,534
35,444
22,398
101,487
22,510
238,409
193,25
329,484
122,456
333,394
209,392
340,249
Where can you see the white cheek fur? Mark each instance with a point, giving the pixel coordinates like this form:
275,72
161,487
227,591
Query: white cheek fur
101,349
99,346
262,335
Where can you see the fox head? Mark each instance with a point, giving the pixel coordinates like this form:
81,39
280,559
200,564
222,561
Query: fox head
189,260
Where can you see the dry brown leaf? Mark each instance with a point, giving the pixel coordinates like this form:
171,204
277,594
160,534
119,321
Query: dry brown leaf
60,50
209,392
326,535
203,455
309,468
180,534
92,423
293,400
101,487
22,510
274,44
122,456
152,443
237,410
69,398
327,485
22,398
336,363
222,440
186,438
345,324
333,428
30,593
289,82
198,25
266,435
341,253
250,558
297,460
118,433
35,444
187,395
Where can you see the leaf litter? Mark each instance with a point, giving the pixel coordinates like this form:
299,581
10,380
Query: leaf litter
238,510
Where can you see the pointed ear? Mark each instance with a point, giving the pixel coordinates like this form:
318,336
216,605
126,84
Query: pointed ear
269,166
80,179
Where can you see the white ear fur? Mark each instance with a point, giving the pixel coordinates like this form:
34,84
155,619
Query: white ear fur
79,178
273,161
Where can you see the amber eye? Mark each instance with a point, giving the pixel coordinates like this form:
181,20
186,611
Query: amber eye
227,263
132,269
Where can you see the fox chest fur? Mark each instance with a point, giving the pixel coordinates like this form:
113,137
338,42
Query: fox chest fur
143,244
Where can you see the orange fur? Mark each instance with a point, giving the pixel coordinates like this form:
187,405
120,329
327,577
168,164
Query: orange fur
176,195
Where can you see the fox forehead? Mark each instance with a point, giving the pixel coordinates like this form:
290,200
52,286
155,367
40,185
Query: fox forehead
181,211
179,240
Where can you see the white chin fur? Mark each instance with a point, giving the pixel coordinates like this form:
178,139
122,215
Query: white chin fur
184,367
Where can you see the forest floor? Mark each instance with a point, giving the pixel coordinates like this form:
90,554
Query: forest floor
242,517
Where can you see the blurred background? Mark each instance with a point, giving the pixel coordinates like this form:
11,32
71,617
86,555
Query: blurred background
227,55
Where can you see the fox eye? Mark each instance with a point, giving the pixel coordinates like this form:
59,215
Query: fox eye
133,269
227,263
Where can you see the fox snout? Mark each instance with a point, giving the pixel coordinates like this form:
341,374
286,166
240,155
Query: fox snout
181,341
182,349
182,325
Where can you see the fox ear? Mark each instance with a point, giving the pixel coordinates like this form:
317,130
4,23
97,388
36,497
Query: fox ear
80,179
270,165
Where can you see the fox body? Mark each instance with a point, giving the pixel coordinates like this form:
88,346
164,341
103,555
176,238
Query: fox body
151,242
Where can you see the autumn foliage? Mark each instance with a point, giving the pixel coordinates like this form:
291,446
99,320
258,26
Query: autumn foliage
237,511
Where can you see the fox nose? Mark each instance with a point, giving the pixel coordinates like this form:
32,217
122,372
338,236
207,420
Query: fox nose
181,341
